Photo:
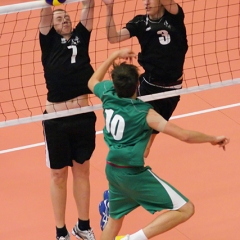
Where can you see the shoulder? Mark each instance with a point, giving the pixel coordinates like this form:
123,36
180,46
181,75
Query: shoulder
179,14
138,19
82,32
136,25
180,11
144,105
51,32
81,28
46,40
102,87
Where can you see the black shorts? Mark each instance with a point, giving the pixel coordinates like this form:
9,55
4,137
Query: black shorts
69,138
166,106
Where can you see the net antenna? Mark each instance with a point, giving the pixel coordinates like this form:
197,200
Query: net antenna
212,60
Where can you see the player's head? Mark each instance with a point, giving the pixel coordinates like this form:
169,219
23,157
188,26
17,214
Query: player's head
62,22
125,79
152,8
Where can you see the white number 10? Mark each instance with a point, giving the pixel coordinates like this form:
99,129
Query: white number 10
114,125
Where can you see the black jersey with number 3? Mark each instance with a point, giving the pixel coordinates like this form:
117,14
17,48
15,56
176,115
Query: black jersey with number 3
163,44
66,64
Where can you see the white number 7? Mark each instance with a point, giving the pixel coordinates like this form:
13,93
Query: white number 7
74,53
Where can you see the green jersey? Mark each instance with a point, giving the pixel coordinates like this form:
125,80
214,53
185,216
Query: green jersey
126,131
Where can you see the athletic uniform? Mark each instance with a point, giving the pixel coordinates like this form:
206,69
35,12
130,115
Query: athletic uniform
131,184
163,47
67,70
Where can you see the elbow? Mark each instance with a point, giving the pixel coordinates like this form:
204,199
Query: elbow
113,37
90,87
88,4
112,40
92,4
185,138
90,84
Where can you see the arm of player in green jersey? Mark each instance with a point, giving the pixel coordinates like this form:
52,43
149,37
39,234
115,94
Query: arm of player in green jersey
102,70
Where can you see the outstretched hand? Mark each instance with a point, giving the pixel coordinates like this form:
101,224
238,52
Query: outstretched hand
221,141
127,54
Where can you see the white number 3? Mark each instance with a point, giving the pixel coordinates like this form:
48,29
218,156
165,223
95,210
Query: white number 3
164,38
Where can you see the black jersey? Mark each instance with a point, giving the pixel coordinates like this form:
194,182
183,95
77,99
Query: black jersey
66,64
163,44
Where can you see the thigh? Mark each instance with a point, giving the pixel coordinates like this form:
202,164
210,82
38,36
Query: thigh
83,135
120,203
58,149
156,194
131,188
120,199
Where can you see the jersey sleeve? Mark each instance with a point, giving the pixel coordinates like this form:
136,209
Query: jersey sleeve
82,32
180,12
180,15
102,87
132,26
45,40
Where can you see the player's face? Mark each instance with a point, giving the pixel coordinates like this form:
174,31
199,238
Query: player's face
152,8
62,23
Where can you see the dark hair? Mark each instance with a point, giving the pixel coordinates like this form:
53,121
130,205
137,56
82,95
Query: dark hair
125,79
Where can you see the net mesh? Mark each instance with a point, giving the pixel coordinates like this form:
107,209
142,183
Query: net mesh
212,59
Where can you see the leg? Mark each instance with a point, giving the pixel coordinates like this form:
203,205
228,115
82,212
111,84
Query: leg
83,136
84,144
156,195
112,229
81,192
59,194
169,220
81,188
59,157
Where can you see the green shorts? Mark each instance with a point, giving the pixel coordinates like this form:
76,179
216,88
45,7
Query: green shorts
130,188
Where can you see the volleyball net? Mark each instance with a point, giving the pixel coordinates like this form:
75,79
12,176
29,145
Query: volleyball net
212,60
